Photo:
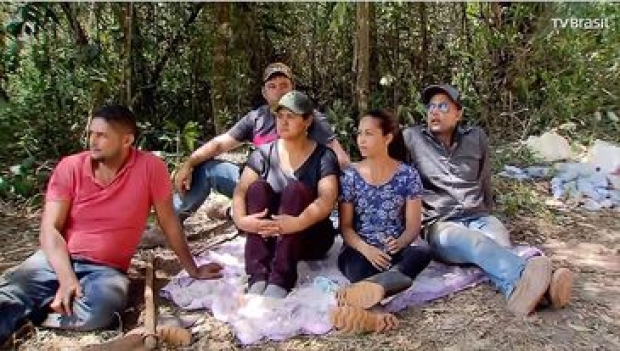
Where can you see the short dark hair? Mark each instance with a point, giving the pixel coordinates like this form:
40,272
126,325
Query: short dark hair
119,115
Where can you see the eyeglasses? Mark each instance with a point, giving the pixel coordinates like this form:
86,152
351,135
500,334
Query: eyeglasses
442,107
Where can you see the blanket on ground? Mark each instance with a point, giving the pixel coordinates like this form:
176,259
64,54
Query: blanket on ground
306,309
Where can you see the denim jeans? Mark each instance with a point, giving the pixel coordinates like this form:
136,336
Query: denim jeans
27,291
483,241
218,175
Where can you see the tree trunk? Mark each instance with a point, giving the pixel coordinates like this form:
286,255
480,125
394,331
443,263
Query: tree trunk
362,56
127,96
374,54
312,52
146,91
220,66
424,73
395,45
70,12
249,38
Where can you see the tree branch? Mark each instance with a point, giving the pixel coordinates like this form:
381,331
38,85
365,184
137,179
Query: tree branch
80,36
156,74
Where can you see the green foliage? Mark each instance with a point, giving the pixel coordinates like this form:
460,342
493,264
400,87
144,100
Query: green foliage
24,181
514,154
518,74
339,117
515,198
583,79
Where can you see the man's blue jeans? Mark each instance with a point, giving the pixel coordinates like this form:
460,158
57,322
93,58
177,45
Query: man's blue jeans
218,175
27,291
483,241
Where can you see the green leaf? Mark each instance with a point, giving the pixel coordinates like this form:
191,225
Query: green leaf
28,163
4,185
15,28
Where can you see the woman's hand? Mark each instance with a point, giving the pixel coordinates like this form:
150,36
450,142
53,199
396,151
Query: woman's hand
377,257
394,245
256,223
287,224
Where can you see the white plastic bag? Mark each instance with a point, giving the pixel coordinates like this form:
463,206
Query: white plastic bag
550,146
605,156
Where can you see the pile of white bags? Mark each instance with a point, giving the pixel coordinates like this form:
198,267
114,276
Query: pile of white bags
594,183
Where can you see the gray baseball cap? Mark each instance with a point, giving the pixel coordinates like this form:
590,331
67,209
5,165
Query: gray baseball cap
432,90
296,101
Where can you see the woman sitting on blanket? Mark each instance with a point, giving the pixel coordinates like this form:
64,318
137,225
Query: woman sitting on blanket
380,215
283,201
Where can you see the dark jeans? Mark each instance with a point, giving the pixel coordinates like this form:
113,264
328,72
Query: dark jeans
410,261
274,259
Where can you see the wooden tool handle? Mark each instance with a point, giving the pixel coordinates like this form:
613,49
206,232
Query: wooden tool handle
150,317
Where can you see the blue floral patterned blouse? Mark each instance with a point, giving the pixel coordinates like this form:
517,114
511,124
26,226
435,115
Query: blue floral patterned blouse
380,210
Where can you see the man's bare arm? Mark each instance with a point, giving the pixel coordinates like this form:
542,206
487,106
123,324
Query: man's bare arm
214,147
54,246
173,232
343,158
52,242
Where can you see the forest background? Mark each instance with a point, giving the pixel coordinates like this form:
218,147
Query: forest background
190,70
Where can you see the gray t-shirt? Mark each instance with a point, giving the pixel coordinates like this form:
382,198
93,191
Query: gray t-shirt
320,164
259,127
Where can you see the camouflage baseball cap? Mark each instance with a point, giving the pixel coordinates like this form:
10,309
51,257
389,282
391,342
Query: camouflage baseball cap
277,68
296,101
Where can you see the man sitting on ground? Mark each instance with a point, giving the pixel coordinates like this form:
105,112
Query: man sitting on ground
202,173
453,162
96,206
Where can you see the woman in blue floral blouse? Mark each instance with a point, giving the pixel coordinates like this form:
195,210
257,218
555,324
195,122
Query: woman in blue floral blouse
380,216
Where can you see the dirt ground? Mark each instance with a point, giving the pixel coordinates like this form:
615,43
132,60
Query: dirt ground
476,319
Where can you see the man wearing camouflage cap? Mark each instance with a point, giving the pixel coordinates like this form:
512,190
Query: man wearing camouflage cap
202,173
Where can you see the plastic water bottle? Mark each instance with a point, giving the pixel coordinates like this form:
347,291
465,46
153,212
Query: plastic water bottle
557,188
324,284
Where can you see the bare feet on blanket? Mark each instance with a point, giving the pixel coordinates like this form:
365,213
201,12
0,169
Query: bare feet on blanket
350,319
